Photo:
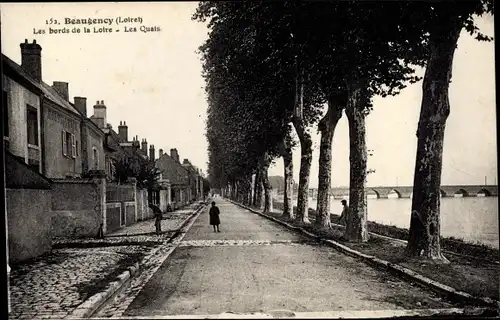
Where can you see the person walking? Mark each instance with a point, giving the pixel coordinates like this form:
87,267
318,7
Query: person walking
214,217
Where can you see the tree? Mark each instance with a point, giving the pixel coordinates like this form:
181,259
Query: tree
440,25
247,92
286,153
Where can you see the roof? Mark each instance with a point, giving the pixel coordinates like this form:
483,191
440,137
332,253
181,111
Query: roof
172,170
18,175
9,64
52,95
47,91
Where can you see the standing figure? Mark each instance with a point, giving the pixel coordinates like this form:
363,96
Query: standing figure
158,218
214,217
345,213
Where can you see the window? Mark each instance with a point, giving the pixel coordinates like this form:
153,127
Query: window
32,122
69,144
95,158
5,114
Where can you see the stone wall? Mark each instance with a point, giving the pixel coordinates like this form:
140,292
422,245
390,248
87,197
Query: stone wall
29,223
77,210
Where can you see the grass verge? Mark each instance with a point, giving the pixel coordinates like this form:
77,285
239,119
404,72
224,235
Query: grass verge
450,244
474,276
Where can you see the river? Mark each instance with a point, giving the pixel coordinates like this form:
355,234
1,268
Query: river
473,219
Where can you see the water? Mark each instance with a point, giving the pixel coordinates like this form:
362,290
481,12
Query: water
473,219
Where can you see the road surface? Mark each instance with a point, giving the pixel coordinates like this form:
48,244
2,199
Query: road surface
254,265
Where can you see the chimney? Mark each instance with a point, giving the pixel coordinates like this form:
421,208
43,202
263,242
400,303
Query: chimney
160,153
81,105
135,142
123,131
62,89
31,59
186,161
144,146
100,114
152,153
174,154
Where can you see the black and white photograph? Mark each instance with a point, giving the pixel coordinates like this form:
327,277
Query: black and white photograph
250,160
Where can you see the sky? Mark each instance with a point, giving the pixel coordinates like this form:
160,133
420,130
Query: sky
153,82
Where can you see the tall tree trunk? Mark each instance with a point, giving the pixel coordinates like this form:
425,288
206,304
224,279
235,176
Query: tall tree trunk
305,149
327,127
258,188
248,190
356,227
268,198
425,226
252,196
288,165
304,174
235,191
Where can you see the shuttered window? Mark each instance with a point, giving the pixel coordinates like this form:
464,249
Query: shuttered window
69,144
73,146
32,124
64,143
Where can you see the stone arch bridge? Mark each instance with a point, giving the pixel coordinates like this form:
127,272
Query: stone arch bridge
407,191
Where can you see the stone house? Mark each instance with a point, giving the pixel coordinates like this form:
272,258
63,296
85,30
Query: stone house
194,180
21,114
43,126
179,177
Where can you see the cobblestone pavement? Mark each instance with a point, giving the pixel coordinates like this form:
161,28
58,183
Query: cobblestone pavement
53,285
171,221
56,284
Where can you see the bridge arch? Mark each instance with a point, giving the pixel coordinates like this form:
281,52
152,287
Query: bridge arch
394,191
461,192
441,193
484,193
373,192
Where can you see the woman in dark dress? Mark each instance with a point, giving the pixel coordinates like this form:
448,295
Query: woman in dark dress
214,217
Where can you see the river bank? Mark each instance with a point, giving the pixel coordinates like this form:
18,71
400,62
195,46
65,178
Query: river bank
452,244
473,269
471,219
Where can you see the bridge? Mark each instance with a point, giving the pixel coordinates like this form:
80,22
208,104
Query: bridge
407,191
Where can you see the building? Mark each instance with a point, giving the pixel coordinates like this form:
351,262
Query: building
186,183
21,115
43,127
177,175
194,181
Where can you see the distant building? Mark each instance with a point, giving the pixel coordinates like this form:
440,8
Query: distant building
177,175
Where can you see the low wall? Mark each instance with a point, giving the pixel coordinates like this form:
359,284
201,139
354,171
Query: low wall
76,207
29,223
113,216
130,210
143,211
125,205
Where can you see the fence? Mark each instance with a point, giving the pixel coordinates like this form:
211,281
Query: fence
125,205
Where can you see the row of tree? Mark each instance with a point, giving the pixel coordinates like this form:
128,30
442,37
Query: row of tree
271,67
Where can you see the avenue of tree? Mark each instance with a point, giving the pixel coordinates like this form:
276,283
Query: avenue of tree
274,67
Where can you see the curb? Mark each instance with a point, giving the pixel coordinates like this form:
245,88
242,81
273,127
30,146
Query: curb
400,270
92,304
